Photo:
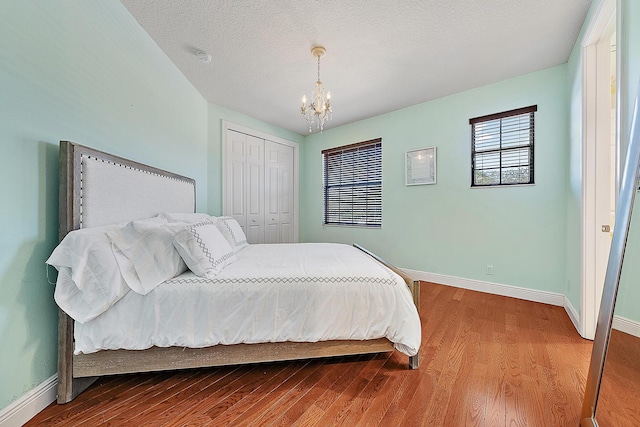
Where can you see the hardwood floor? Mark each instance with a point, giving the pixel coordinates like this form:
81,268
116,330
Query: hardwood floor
486,360
618,403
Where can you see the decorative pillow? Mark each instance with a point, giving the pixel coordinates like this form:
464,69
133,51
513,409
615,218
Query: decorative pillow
204,249
145,253
89,280
189,218
232,231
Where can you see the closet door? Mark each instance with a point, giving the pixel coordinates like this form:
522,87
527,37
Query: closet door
278,193
244,183
235,171
259,186
285,199
255,190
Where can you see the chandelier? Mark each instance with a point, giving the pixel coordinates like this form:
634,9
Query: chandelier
319,109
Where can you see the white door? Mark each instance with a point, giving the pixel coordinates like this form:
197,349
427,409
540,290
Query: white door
235,195
278,193
260,184
605,158
272,220
600,158
244,183
255,190
285,199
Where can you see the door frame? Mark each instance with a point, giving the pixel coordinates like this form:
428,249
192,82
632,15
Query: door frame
226,126
593,115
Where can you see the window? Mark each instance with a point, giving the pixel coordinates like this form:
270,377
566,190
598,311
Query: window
502,148
353,184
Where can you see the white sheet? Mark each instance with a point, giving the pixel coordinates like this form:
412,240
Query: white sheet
272,293
145,253
89,281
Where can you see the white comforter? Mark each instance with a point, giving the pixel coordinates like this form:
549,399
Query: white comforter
272,293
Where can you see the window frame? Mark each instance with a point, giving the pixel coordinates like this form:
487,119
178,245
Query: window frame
329,216
530,110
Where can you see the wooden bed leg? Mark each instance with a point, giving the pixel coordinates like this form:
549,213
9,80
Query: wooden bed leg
65,354
74,388
414,287
414,361
68,387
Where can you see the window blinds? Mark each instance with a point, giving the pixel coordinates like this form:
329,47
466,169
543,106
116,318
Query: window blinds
353,184
502,148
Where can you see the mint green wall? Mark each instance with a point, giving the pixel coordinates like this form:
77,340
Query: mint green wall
449,228
628,301
629,42
216,115
83,71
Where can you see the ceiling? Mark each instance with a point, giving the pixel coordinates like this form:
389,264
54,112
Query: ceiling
382,55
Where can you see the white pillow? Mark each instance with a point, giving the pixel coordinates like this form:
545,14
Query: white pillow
89,280
145,253
189,218
204,249
232,231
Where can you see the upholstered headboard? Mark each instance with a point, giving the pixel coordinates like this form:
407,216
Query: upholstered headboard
97,188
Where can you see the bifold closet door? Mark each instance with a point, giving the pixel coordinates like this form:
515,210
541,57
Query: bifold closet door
278,193
259,185
255,190
244,183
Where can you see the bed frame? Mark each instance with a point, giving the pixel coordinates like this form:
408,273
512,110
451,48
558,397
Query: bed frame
77,372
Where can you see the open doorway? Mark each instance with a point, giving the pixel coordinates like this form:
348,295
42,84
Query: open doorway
600,161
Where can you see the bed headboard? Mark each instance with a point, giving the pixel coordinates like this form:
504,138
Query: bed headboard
97,188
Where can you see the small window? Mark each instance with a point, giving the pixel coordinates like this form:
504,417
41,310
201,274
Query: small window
502,148
353,184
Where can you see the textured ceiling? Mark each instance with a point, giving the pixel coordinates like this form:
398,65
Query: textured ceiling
382,55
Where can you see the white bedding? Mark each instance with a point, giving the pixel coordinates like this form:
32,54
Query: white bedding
272,293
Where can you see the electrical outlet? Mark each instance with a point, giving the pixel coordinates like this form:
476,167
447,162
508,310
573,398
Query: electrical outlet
489,270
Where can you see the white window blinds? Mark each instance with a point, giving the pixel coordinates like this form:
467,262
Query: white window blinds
353,184
502,148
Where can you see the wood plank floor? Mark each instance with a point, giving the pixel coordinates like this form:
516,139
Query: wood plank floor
618,403
486,360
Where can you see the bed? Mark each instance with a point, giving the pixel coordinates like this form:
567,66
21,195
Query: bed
98,189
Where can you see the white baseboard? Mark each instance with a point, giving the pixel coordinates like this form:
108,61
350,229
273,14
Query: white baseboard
573,314
623,324
545,297
29,405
